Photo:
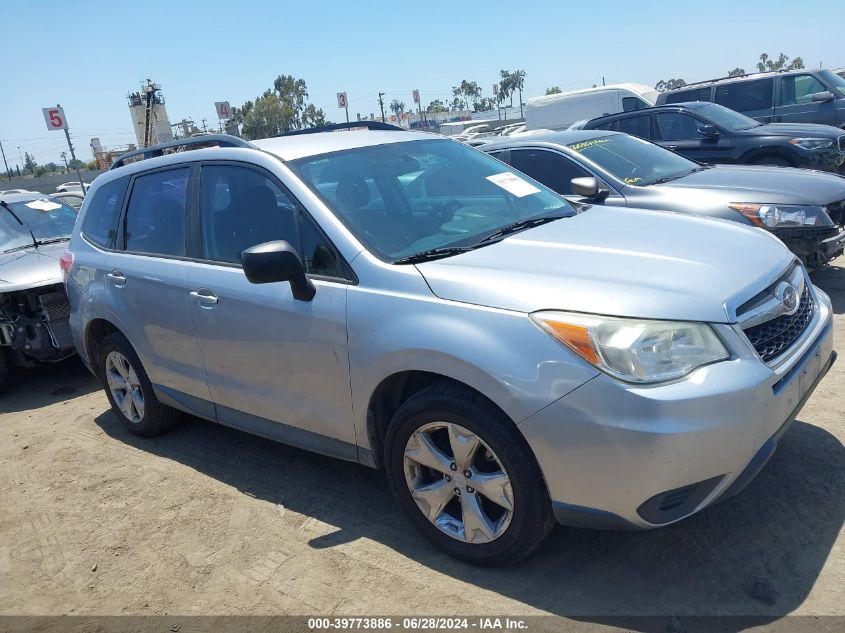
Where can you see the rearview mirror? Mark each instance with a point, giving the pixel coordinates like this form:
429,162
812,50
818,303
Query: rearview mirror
825,95
272,262
588,188
708,131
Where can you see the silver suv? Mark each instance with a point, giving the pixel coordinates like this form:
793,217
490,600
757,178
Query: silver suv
407,302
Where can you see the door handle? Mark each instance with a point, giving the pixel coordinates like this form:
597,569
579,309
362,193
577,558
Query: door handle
117,278
672,147
204,296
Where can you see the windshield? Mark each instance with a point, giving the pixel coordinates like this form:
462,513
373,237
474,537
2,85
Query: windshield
836,81
633,160
49,220
403,199
724,117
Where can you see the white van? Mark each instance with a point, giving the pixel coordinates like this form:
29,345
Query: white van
559,111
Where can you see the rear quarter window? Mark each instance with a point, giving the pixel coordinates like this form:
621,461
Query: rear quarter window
744,96
697,94
100,223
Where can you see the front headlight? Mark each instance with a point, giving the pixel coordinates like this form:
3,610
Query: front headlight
812,144
777,215
635,350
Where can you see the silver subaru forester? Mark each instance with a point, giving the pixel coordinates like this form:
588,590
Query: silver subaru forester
404,301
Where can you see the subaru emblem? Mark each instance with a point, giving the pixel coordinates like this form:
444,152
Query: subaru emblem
788,297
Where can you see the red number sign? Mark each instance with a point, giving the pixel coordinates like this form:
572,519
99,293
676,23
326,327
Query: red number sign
341,100
55,118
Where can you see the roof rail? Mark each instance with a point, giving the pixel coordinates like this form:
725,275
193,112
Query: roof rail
220,140
710,81
352,125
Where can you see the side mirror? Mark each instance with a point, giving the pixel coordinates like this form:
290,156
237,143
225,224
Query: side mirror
272,262
708,131
825,95
588,188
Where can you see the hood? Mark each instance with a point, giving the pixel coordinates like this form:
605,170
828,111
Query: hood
757,183
616,261
31,268
798,130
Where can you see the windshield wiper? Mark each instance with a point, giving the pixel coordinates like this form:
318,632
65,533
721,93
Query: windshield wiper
52,240
700,168
433,253
15,215
515,227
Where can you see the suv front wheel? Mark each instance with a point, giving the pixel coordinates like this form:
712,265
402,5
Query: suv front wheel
129,390
466,477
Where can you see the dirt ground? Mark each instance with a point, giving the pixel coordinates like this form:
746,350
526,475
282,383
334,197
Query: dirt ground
208,520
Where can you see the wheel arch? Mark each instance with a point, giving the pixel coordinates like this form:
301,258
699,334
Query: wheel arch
761,152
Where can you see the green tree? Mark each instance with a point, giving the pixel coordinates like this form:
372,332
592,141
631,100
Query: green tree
29,163
292,93
75,164
267,117
436,106
469,92
397,107
506,86
737,72
484,104
768,64
669,84
554,90
91,166
312,116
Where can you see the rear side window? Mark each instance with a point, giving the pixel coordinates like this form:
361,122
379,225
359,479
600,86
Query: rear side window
155,218
635,126
100,223
799,89
744,96
697,94
551,169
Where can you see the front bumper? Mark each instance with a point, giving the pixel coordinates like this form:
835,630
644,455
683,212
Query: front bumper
815,246
624,456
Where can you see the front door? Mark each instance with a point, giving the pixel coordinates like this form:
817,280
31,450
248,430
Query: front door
268,356
796,103
680,132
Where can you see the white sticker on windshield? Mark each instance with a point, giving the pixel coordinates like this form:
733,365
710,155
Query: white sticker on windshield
43,205
513,184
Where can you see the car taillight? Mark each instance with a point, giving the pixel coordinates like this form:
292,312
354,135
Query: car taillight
65,262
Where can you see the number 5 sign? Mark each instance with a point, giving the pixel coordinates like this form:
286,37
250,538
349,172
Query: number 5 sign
55,118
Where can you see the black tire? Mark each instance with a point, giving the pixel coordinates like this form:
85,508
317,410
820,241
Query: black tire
531,518
156,417
772,161
4,370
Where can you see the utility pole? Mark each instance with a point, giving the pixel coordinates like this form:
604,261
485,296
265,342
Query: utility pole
64,158
204,126
8,173
19,154
380,103
73,154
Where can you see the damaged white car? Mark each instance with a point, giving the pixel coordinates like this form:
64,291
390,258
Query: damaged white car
34,309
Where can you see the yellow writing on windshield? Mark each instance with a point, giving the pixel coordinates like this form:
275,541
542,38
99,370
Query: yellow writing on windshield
631,181
585,144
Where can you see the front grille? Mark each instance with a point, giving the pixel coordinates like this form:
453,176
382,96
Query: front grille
805,232
774,337
842,143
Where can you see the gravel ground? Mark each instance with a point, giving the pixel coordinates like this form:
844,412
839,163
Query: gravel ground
208,520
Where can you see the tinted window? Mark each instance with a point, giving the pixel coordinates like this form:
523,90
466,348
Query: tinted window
635,125
319,255
155,218
799,89
633,160
836,81
101,216
552,169
745,96
42,220
698,94
241,207
724,117
402,198
677,126
629,104
608,125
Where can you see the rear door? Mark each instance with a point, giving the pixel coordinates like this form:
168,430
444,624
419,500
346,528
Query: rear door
146,278
796,105
679,131
753,98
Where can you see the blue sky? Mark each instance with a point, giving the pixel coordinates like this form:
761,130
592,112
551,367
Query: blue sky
87,55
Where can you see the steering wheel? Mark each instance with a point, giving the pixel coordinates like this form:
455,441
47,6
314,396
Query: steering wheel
445,211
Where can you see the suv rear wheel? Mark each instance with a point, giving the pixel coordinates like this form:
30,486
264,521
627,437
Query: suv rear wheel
129,390
466,477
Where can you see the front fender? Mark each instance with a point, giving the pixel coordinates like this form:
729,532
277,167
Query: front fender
499,353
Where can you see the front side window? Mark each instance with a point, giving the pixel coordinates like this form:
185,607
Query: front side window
241,207
677,126
635,125
745,96
101,217
405,198
550,168
155,217
799,89
836,81
43,221
633,160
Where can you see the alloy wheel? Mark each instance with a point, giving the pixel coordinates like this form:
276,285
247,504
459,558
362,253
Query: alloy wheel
125,387
458,482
